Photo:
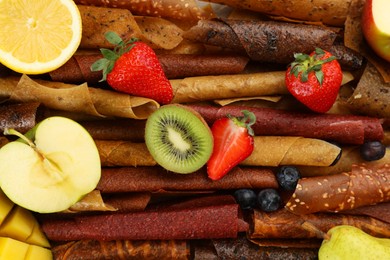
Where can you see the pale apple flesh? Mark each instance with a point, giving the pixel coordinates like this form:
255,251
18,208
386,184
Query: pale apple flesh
63,166
376,26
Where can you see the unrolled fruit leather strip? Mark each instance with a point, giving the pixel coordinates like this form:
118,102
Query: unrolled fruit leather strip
285,224
363,185
21,117
82,99
289,150
265,41
122,249
350,155
177,10
155,178
93,201
124,153
331,12
98,20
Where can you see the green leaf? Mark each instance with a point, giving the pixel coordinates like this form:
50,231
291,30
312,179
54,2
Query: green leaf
113,38
319,51
109,54
320,76
99,64
304,76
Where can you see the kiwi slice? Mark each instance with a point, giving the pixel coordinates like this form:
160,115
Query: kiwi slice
178,138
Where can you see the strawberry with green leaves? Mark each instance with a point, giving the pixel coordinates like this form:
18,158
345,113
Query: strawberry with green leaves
233,142
315,79
132,67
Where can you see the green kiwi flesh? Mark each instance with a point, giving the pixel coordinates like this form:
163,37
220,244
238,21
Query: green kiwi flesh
178,138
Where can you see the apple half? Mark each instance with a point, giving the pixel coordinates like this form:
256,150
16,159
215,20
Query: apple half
376,26
50,168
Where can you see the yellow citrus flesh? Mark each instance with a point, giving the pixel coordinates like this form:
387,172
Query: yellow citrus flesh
38,36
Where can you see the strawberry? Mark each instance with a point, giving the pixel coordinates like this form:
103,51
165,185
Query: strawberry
233,142
133,68
315,79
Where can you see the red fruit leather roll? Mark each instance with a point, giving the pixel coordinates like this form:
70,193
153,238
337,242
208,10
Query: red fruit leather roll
284,224
154,178
266,41
21,117
78,68
192,222
122,249
349,129
361,187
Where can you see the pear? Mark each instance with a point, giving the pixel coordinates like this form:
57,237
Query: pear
50,168
349,242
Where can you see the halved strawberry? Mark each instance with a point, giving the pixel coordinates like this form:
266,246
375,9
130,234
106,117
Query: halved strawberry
233,142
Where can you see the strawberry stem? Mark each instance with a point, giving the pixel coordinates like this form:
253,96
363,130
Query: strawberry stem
246,121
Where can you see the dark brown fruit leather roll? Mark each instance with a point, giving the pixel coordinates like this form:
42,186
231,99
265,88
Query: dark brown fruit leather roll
285,224
379,211
364,185
242,248
121,249
186,221
78,68
155,178
266,41
350,129
21,116
116,129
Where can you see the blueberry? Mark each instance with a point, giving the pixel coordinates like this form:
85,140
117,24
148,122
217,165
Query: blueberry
288,177
372,150
246,198
269,200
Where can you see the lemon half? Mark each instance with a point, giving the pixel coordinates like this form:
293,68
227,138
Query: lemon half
38,36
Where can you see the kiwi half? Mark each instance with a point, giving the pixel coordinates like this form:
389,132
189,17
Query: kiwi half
178,138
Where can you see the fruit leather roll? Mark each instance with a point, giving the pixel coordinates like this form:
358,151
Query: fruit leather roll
288,150
157,32
21,117
78,68
284,224
124,153
379,211
189,220
121,249
81,99
266,41
350,129
245,249
315,11
136,179
116,129
350,155
371,96
362,186
178,10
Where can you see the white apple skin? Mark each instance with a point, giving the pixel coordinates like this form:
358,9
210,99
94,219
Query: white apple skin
378,39
67,169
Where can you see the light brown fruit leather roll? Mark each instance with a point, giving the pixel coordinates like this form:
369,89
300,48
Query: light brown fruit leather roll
285,224
155,178
331,12
288,150
178,10
99,20
124,153
363,185
81,99
122,249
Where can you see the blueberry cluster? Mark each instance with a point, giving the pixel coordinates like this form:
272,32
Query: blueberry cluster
269,199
